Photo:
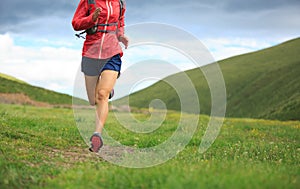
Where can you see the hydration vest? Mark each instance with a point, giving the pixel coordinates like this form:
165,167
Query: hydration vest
93,30
92,3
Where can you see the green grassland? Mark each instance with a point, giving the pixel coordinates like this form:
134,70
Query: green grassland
10,85
263,84
8,77
42,148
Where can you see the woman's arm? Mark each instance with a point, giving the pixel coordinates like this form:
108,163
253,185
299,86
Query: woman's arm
120,32
121,23
82,21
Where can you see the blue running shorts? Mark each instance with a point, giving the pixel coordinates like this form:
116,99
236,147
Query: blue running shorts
94,67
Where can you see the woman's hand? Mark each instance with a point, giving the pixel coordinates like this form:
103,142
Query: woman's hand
123,39
96,14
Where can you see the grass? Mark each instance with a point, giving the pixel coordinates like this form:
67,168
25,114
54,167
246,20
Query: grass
12,86
263,84
42,148
11,78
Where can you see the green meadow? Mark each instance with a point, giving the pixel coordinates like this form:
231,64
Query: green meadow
42,148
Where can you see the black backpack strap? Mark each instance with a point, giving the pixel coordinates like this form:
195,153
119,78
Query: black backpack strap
90,2
121,7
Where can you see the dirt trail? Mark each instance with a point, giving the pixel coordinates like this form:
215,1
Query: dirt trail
22,99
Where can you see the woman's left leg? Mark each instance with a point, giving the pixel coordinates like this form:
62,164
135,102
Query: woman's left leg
105,85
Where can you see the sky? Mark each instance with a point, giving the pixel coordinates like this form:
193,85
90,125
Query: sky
37,42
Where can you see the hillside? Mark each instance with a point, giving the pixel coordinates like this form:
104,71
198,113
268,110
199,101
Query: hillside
263,84
16,91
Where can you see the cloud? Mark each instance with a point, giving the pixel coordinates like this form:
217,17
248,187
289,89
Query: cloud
222,48
227,18
17,11
206,17
254,6
48,67
37,19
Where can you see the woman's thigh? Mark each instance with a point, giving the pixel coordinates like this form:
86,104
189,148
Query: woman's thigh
107,80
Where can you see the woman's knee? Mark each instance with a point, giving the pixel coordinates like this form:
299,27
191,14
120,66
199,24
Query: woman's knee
102,94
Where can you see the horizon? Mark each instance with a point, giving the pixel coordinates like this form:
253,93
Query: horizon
149,84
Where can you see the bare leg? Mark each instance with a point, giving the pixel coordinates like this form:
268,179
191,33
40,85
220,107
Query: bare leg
91,83
104,86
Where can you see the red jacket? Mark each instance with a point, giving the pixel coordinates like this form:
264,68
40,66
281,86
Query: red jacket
100,45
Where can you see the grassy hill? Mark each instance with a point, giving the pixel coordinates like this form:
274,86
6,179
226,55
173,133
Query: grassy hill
262,84
11,85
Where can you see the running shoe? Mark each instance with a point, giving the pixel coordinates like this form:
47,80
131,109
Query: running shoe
111,94
96,142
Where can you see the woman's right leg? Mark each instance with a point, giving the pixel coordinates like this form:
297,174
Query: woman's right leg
90,84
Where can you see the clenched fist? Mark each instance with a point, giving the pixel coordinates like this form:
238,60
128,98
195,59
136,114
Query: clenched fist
96,14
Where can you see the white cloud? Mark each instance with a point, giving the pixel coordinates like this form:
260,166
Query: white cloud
157,52
48,67
222,48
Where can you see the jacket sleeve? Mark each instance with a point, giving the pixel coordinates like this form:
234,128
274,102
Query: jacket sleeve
121,24
81,20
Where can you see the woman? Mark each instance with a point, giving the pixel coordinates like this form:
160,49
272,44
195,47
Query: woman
101,62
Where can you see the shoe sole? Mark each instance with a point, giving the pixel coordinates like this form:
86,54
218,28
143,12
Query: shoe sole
96,143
